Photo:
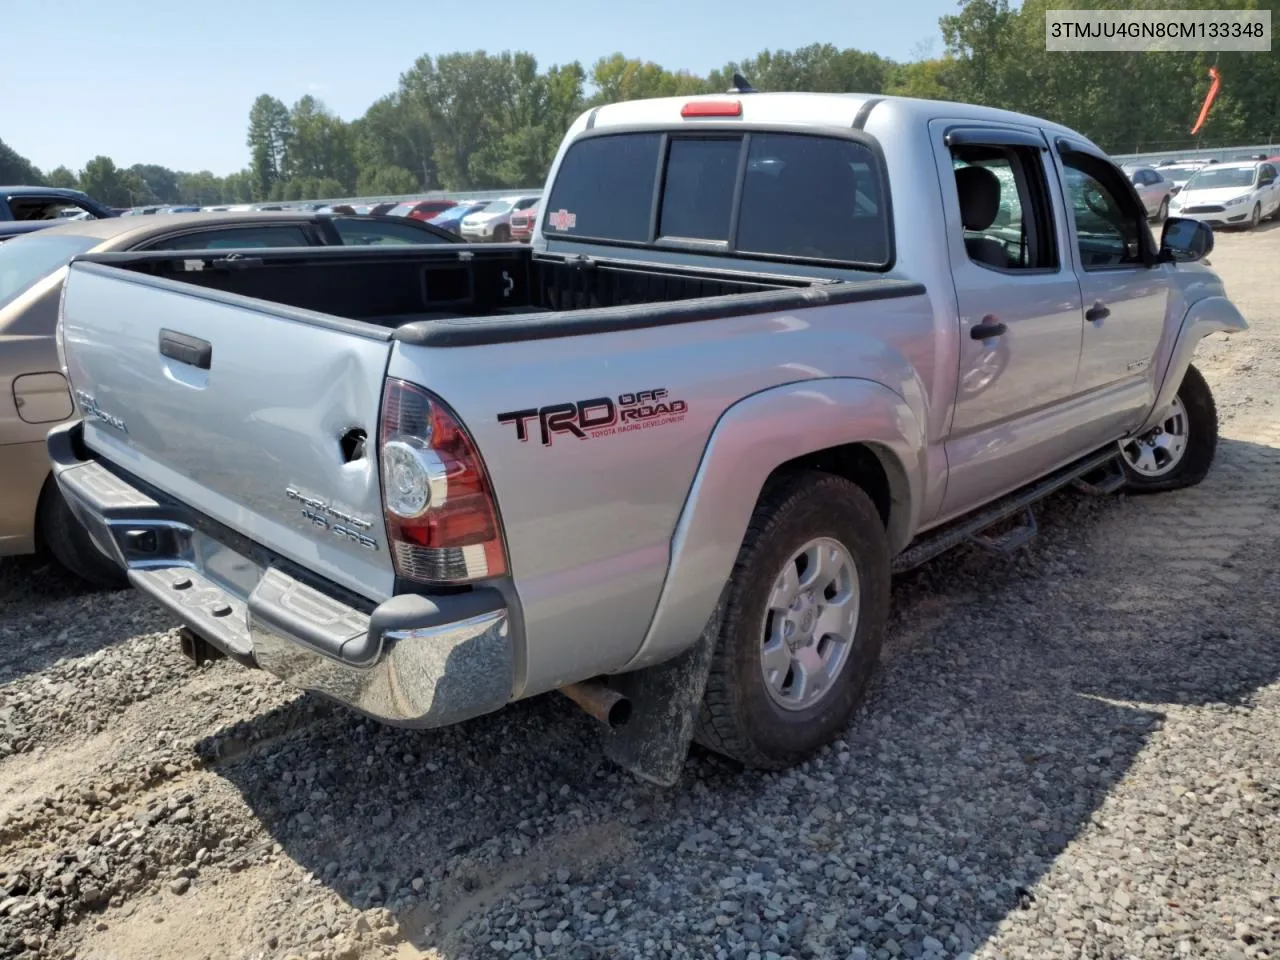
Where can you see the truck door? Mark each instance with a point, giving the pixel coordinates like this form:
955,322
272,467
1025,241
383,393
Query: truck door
1125,291
1018,303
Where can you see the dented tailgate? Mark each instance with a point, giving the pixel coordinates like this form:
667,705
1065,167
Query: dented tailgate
250,417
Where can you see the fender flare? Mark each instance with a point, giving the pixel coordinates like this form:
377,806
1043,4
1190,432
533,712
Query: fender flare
1214,314
751,439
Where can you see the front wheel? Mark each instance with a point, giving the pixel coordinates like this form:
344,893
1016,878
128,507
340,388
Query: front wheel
1256,217
1179,450
502,234
1163,213
802,623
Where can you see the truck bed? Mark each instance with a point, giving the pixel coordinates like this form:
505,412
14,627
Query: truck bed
473,294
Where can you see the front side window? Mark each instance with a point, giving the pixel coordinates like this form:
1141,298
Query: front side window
1108,230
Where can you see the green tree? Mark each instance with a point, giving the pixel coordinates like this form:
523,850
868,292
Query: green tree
103,181
61,177
15,169
320,146
396,132
268,140
818,68
617,78
159,184
386,182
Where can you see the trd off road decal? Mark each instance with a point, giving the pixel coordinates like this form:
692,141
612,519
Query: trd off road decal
600,417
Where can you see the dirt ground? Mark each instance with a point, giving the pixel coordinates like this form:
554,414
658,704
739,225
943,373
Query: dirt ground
152,809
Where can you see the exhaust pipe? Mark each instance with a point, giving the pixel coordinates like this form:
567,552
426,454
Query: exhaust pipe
601,701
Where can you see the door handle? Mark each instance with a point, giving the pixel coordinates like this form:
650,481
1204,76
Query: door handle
1097,313
186,349
988,328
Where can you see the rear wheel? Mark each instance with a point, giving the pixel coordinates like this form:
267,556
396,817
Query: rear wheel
68,541
1178,451
802,624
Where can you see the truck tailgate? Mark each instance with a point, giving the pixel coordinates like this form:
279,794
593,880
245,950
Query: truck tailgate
249,417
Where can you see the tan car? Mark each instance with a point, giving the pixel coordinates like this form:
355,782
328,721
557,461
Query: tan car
34,395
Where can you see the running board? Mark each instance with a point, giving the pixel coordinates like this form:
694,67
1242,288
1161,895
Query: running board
970,527
1104,481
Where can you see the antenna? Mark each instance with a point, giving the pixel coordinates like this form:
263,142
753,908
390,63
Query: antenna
741,84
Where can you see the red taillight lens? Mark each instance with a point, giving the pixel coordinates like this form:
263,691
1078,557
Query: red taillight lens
442,520
712,108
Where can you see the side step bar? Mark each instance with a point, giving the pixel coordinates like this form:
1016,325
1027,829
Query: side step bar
970,528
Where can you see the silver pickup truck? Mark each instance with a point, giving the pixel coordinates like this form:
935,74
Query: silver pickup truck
763,351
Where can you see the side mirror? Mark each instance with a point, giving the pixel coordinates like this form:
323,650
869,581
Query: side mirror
1185,241
1266,181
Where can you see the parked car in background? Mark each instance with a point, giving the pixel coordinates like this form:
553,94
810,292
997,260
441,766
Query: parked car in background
1178,174
1230,195
421,209
180,208
522,222
451,219
1153,189
33,393
494,221
47,204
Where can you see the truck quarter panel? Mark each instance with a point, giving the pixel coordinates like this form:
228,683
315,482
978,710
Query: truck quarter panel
592,444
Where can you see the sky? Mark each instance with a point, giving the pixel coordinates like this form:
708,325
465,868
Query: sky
151,81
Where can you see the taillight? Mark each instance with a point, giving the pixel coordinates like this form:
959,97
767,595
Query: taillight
442,520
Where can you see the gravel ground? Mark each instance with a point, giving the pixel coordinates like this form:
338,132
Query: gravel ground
1068,754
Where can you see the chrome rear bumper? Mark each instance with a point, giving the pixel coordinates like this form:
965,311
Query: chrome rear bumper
410,661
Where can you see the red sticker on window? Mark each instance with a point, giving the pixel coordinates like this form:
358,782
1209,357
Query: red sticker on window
562,220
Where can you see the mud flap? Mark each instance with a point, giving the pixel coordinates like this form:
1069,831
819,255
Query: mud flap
665,700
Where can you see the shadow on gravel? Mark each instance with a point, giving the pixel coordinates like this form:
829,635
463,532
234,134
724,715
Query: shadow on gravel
987,744
47,613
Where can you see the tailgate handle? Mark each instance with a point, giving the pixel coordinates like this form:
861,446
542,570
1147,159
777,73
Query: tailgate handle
186,349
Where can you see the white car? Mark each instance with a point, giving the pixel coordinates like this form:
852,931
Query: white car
1230,195
494,221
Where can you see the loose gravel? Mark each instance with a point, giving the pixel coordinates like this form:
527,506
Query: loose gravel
1071,753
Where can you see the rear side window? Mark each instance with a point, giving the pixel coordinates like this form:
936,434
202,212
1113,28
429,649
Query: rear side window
604,189
767,195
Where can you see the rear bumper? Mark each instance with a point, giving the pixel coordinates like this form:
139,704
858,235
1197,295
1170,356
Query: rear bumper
411,661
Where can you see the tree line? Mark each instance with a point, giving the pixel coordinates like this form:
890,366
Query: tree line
478,120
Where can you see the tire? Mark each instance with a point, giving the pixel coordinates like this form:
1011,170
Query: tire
68,541
1163,213
1255,218
740,717
502,234
1195,419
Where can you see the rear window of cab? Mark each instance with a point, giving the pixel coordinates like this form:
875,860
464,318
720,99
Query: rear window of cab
775,196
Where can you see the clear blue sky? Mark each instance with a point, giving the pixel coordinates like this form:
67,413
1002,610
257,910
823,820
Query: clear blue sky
153,81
